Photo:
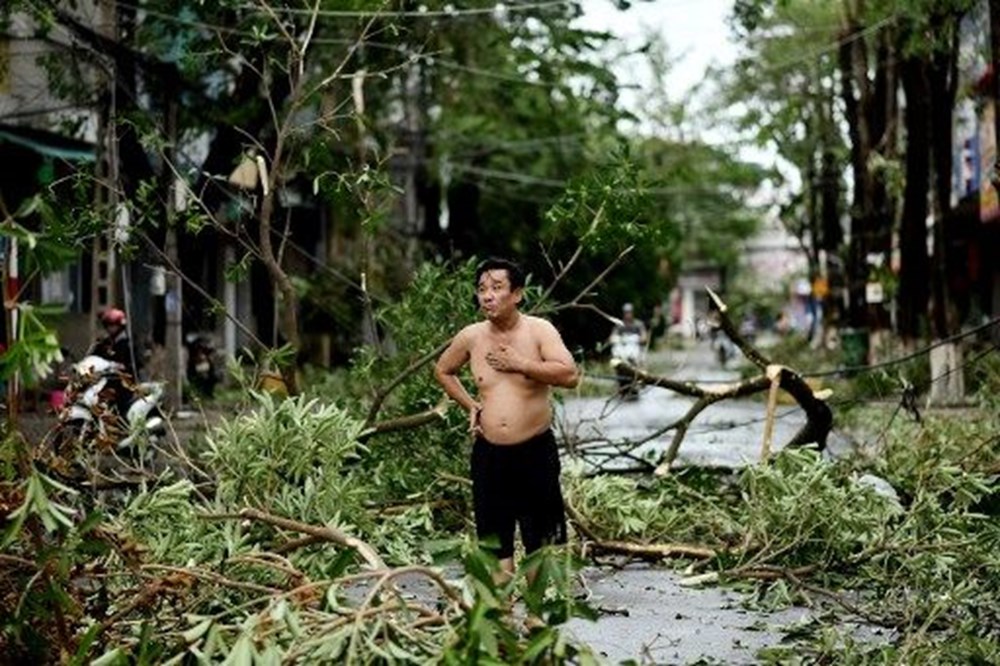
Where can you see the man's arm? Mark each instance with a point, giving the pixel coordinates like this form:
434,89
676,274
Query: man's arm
446,371
556,367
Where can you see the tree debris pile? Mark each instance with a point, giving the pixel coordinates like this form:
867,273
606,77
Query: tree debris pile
222,572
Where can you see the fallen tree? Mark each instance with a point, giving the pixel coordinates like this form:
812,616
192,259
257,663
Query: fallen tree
819,417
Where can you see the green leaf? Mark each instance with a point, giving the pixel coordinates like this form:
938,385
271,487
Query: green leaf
242,653
540,641
85,644
111,658
197,631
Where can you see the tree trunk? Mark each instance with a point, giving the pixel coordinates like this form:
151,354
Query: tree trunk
914,293
947,384
174,338
856,93
812,206
284,290
883,118
833,235
942,78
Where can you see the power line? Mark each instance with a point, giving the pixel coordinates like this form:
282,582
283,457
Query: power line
500,9
459,12
526,179
426,59
907,357
827,48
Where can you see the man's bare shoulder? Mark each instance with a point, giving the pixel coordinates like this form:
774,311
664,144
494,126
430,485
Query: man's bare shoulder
539,323
472,332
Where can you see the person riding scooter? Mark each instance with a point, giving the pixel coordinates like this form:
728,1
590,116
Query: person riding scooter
116,346
109,425
628,340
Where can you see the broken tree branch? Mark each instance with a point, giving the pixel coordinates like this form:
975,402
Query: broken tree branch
819,418
437,413
330,534
656,551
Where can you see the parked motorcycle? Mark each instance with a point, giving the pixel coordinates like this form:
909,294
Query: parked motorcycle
626,347
109,429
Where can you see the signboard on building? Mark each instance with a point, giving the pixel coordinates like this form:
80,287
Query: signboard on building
4,65
989,201
874,292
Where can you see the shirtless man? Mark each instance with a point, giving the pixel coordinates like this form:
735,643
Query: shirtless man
514,358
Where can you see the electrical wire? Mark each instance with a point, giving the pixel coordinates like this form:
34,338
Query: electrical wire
908,357
499,9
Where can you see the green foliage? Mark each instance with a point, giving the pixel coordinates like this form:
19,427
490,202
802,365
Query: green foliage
44,249
38,503
345,619
607,208
781,94
924,569
488,634
699,194
165,520
805,511
292,452
437,304
682,507
921,563
935,456
47,241
352,621
983,377
35,348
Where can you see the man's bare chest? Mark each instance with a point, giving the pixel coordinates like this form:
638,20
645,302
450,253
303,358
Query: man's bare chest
484,374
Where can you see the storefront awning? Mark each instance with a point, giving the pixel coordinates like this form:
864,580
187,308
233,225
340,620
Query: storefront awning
48,144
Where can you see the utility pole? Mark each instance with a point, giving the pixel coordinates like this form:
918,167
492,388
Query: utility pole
174,366
102,290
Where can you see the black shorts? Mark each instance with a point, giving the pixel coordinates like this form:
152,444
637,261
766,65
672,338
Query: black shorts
518,483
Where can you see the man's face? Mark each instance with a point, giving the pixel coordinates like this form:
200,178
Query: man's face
496,299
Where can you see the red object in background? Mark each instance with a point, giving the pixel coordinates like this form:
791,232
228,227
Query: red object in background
13,287
57,399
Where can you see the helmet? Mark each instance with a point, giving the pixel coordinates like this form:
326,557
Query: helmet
113,316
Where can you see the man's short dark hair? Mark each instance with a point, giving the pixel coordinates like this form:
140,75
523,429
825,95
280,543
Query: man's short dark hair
514,273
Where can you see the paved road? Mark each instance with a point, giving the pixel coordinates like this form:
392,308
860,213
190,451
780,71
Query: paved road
669,624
